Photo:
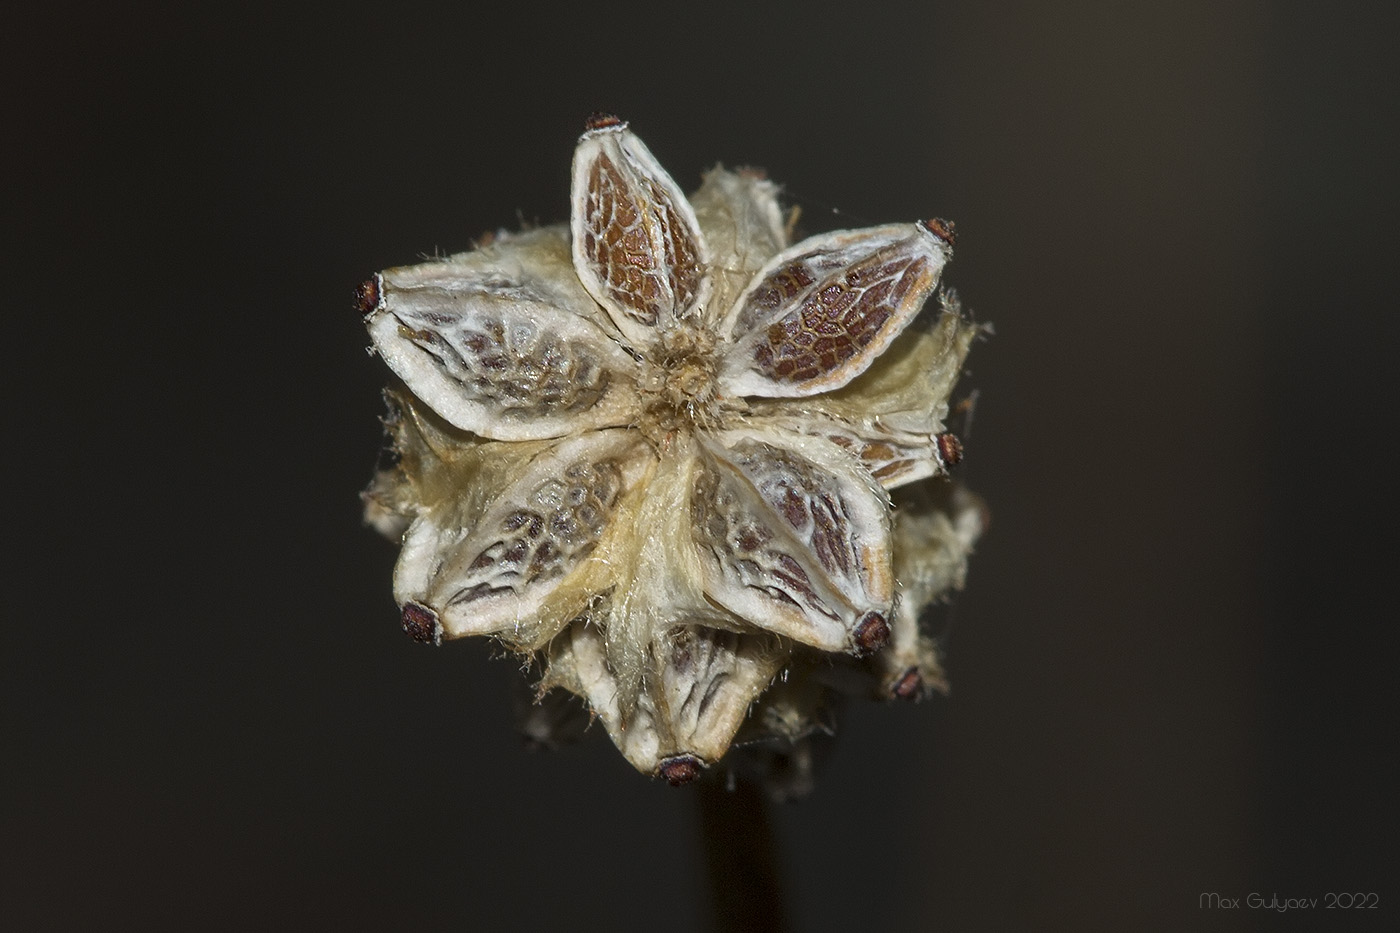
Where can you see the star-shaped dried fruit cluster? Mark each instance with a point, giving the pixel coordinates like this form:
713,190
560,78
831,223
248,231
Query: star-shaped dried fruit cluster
653,451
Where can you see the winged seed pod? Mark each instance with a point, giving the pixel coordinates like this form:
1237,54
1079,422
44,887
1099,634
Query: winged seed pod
652,452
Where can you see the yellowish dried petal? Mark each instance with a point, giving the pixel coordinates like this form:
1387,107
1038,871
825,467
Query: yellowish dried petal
935,528
743,226
892,415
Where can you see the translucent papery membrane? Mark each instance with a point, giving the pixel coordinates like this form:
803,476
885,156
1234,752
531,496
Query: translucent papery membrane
498,349
794,540
891,415
637,245
819,312
743,228
504,564
936,525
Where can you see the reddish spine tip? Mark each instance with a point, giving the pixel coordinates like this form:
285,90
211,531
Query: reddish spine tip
950,449
872,634
909,686
679,769
367,295
601,121
421,624
943,229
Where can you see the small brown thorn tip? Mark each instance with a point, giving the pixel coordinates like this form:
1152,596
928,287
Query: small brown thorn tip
909,686
950,449
367,295
679,769
601,121
422,624
872,634
943,229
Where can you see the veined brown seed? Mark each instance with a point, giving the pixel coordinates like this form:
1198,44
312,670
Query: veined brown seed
653,451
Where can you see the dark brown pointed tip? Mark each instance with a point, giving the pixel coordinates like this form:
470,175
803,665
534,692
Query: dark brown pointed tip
872,634
680,769
422,624
943,229
950,449
367,295
601,121
909,686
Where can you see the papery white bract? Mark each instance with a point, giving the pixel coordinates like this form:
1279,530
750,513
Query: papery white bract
651,451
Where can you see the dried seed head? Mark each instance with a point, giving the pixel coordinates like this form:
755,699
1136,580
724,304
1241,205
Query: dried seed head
650,451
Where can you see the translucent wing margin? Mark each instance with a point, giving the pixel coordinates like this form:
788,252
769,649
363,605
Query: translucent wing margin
795,541
820,312
891,417
495,569
498,349
637,246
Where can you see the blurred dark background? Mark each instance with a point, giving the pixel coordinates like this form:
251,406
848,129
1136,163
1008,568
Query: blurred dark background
1173,669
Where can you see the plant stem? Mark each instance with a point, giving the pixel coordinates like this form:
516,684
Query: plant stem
740,858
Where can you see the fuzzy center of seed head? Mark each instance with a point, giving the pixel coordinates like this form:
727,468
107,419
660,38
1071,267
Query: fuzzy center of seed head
681,382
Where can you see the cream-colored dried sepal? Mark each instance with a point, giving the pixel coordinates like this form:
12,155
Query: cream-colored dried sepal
498,342
820,312
431,463
795,707
648,566
794,540
637,245
549,719
788,730
387,506
894,413
743,228
498,560
390,502
705,679
936,525
698,687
